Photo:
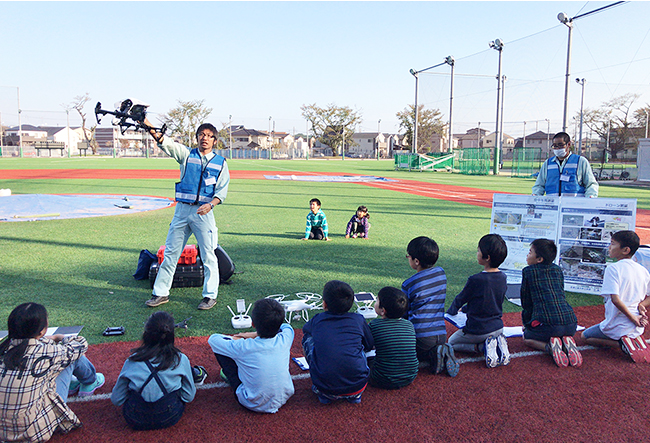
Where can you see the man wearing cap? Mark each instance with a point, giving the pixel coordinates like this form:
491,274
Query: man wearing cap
204,185
565,173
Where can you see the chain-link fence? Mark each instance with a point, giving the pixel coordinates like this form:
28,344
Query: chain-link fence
526,162
473,161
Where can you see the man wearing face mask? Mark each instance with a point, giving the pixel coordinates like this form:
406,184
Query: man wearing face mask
565,173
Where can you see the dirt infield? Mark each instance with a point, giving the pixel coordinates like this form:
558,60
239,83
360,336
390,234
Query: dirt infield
529,400
459,194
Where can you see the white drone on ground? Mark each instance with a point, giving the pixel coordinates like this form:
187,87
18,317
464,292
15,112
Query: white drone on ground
298,307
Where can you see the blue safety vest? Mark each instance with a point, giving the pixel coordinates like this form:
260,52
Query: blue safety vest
569,187
197,183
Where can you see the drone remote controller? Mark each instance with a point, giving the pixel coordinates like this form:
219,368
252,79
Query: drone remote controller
241,320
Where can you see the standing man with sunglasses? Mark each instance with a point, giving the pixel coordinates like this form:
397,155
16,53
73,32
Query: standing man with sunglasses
565,173
204,185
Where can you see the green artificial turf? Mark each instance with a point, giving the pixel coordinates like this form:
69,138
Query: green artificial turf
81,269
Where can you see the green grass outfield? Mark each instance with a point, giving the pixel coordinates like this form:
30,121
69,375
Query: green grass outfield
81,269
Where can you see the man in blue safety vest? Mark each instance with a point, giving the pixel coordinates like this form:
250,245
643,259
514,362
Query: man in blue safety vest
565,174
204,185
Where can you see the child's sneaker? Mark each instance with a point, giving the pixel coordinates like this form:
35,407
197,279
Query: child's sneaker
88,390
199,374
643,347
575,358
502,350
556,351
355,400
491,357
451,364
74,386
223,376
634,352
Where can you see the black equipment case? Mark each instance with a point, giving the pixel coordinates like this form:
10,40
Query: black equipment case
192,275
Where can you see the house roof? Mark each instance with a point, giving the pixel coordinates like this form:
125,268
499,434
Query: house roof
539,134
248,132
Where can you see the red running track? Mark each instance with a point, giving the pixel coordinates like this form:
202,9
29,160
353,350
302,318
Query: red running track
531,399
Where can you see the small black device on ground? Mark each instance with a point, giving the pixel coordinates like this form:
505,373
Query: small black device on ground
116,330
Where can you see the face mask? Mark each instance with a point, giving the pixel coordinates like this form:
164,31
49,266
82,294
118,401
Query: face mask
559,152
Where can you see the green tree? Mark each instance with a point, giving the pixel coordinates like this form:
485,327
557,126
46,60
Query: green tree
183,120
429,124
332,125
621,129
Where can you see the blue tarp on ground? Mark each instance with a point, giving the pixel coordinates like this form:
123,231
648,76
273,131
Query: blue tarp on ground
29,207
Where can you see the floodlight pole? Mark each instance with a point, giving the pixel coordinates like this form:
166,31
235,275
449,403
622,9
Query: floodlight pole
568,21
581,82
498,46
451,62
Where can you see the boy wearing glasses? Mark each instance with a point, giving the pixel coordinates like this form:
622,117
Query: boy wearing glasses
565,173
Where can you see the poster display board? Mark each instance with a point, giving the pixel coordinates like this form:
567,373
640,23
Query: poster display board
586,227
580,227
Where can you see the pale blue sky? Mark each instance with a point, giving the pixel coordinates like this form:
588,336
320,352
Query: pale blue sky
255,60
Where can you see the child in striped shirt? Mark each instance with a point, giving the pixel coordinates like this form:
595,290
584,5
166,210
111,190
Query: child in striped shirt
426,291
395,364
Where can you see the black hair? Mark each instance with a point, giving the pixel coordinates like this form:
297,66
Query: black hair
544,249
627,239
338,296
315,200
267,316
494,246
564,136
158,342
425,250
25,321
364,209
208,126
393,301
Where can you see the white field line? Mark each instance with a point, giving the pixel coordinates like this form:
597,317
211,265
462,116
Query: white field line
305,375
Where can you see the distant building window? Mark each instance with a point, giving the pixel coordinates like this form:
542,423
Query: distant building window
369,140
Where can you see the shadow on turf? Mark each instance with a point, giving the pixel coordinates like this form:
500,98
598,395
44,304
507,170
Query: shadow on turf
67,244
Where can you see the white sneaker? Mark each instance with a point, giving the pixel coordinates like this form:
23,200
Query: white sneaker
491,356
502,350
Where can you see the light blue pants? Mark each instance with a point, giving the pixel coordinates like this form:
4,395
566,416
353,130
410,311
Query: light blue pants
185,223
81,368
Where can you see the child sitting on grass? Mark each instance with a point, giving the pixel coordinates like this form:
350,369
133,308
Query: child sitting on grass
156,380
626,286
395,364
316,228
256,364
549,321
33,395
358,226
426,291
334,343
482,300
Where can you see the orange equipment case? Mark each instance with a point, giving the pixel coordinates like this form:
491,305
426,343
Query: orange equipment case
188,256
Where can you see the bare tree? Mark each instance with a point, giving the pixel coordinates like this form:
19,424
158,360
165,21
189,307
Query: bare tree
614,116
78,104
